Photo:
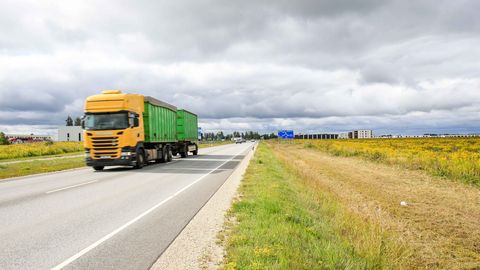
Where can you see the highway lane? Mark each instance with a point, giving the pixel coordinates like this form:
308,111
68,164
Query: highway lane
115,219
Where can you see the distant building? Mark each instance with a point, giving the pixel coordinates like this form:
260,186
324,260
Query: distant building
343,135
23,138
317,136
70,134
361,134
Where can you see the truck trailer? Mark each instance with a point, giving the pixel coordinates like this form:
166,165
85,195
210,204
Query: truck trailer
123,129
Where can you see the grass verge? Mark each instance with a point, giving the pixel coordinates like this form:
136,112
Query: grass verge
42,157
280,223
28,168
212,143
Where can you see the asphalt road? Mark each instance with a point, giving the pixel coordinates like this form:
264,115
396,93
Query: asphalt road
116,219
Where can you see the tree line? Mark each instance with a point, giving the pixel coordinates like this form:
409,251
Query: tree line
70,122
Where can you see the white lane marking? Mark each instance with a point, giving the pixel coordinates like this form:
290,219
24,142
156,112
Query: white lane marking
209,159
110,235
60,189
193,169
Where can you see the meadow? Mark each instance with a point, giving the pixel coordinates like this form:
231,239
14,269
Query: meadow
17,151
454,158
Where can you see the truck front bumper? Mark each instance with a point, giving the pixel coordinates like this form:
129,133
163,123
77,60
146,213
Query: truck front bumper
111,162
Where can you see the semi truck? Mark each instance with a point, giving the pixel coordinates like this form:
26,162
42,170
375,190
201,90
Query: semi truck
123,129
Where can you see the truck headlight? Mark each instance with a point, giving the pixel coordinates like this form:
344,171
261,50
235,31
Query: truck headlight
126,154
87,154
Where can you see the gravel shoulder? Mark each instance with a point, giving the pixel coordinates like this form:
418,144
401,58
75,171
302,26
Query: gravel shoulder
196,246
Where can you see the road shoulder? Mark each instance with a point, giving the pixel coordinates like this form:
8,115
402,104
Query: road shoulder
196,246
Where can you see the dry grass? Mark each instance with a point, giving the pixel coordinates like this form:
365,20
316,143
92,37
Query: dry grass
282,223
440,224
453,158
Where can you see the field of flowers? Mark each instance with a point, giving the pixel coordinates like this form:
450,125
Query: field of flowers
15,151
454,158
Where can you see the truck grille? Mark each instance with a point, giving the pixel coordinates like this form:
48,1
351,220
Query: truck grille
105,147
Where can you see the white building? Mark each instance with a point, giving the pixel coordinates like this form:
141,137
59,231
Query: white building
343,135
70,134
362,134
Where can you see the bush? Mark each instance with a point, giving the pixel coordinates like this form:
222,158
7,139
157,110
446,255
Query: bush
3,139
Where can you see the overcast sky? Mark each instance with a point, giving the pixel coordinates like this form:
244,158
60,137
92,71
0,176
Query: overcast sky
391,66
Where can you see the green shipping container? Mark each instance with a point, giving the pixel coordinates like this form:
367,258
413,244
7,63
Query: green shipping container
187,126
159,121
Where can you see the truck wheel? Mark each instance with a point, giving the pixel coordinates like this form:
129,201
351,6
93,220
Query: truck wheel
169,154
98,168
184,152
196,150
164,157
140,159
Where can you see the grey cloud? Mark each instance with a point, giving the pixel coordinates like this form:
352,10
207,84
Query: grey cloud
364,62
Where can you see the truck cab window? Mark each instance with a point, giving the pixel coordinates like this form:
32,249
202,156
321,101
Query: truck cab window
106,121
133,120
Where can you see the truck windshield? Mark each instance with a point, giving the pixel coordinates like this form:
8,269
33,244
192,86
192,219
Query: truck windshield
106,121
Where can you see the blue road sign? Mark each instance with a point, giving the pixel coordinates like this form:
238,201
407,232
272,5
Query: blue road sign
286,134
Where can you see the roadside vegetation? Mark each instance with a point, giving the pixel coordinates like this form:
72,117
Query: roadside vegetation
16,151
206,144
43,166
453,158
3,139
280,222
302,208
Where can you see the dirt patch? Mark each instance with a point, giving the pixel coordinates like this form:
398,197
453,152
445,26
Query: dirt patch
440,220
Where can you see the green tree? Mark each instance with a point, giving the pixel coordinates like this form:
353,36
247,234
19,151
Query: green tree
78,121
3,138
220,135
69,121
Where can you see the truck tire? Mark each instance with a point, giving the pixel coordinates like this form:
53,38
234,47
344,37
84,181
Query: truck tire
184,151
195,152
169,154
98,168
164,157
140,159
